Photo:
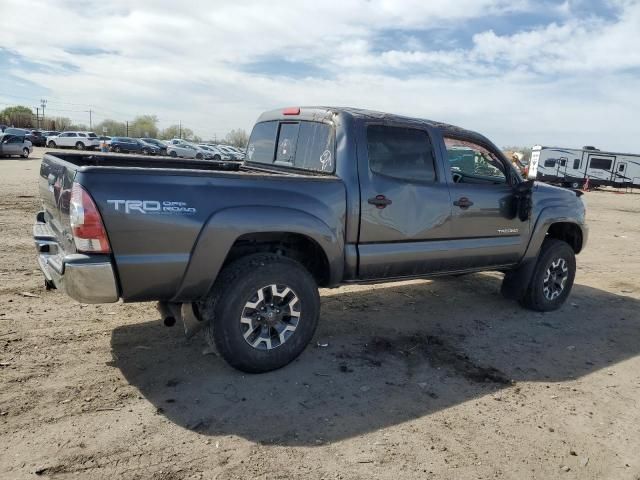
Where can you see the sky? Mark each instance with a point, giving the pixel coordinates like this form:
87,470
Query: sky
522,72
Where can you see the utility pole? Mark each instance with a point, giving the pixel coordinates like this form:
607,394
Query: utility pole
43,103
90,123
37,117
180,135
127,129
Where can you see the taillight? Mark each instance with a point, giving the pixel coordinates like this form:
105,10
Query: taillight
291,111
88,230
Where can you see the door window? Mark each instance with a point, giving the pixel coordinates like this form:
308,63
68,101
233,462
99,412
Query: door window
473,163
402,153
551,162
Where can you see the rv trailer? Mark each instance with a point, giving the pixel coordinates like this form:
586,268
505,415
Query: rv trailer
571,167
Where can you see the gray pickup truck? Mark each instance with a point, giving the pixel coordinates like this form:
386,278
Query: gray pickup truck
326,196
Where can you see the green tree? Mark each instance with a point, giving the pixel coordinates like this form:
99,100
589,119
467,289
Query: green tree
173,131
144,126
114,128
237,138
18,116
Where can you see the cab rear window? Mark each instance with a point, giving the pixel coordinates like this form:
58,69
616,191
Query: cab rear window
304,145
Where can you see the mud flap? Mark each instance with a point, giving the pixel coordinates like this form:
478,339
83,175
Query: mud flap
516,282
187,313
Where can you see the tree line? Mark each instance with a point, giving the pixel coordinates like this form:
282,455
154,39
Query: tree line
20,116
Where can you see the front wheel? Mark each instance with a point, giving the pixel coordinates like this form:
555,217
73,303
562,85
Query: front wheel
552,278
79,146
173,154
25,153
52,144
262,312
199,156
217,157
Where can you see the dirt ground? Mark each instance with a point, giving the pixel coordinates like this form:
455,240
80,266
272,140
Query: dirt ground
421,379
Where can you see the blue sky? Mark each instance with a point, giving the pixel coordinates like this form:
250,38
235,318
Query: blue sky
520,71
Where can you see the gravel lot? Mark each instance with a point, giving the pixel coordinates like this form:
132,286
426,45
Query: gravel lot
420,379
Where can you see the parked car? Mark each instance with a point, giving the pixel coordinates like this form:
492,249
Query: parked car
15,145
159,144
132,145
37,138
239,151
243,254
217,154
105,139
50,133
177,141
77,140
230,151
187,150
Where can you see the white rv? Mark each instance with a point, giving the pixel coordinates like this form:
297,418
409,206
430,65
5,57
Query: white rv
571,167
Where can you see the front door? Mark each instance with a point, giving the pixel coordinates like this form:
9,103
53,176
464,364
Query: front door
485,226
405,220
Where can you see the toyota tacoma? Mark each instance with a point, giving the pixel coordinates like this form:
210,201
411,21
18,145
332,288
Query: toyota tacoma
326,196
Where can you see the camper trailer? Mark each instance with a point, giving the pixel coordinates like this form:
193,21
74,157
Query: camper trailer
571,167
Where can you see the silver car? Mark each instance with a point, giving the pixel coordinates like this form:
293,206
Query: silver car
186,150
15,145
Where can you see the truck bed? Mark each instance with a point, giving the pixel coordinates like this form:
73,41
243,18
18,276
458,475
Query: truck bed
169,221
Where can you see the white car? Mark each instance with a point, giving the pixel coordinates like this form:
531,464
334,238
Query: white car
186,150
77,140
217,154
231,151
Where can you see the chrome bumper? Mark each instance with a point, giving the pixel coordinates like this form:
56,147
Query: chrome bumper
85,278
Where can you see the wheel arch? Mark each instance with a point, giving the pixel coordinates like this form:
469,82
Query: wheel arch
235,232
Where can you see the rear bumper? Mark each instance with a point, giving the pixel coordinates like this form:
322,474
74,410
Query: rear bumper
85,278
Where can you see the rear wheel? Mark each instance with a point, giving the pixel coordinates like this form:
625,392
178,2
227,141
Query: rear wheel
52,144
25,153
262,312
117,149
552,277
217,157
145,151
575,185
173,154
199,156
79,146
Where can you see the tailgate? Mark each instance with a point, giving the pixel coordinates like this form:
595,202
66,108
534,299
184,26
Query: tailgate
55,183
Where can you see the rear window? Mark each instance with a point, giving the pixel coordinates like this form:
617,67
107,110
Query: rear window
304,145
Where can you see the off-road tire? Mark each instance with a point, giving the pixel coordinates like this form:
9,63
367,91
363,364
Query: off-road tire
534,297
234,287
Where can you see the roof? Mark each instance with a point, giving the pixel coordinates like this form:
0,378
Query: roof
320,113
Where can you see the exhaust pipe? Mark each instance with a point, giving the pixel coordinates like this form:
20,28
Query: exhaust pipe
186,312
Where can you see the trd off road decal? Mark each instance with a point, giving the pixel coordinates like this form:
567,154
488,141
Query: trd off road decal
152,207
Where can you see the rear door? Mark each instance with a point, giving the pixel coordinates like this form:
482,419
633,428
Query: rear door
405,221
485,229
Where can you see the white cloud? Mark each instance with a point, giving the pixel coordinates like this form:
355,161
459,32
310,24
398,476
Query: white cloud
572,82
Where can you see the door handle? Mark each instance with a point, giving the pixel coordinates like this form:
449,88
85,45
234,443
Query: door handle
463,202
380,201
